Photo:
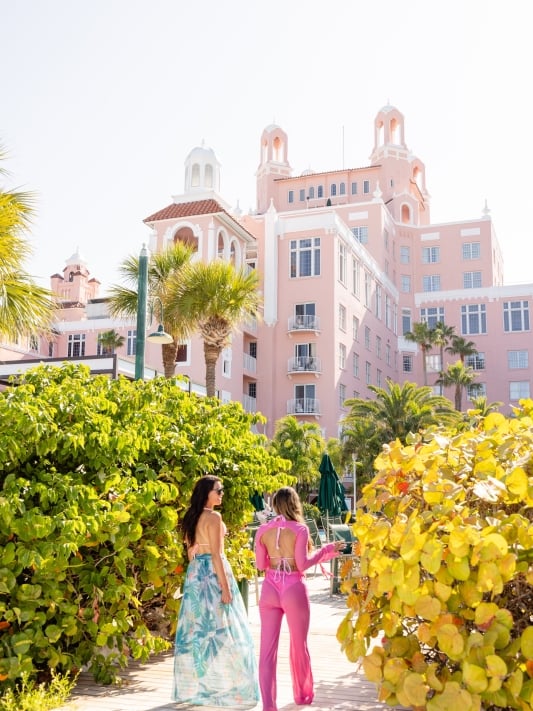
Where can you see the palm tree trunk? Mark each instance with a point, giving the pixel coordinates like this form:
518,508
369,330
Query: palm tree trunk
458,397
424,365
211,355
169,351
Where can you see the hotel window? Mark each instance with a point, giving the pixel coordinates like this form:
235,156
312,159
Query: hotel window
50,349
471,250
302,195
407,363
305,257
406,321
405,254
368,288
333,190
355,365
430,255
387,354
433,363
405,283
291,195
342,317
379,377
515,316
476,361
76,345
342,356
379,301
320,191
517,359
378,346
354,188
342,394
368,373
361,233
471,280
252,390
366,186
355,328
311,193
476,390
388,311
356,278
473,319
342,263
182,353
305,315
431,282
304,396
432,315
34,343
519,389
131,343
367,337
342,188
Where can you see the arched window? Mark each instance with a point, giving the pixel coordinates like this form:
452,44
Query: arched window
278,149
342,189
195,175
406,214
311,193
208,176
333,189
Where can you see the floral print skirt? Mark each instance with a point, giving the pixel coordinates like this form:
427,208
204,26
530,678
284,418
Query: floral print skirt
214,659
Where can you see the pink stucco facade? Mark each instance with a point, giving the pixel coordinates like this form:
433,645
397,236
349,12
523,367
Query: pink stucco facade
348,259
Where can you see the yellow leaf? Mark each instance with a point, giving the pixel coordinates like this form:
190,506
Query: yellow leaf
496,666
475,678
442,591
458,567
459,543
470,593
431,556
485,613
354,650
432,679
526,642
394,669
489,578
517,482
450,641
415,690
372,666
428,607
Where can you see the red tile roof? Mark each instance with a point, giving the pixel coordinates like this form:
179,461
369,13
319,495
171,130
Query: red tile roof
187,209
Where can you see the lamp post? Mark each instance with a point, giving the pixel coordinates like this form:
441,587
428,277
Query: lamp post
160,336
142,293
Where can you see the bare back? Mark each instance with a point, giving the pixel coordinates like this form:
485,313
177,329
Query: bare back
279,543
210,532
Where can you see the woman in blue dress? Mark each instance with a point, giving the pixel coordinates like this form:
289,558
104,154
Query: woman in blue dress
214,660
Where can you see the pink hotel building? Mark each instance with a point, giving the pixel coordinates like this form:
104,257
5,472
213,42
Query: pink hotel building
349,259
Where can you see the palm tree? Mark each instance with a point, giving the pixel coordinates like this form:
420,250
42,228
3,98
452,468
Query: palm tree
393,414
460,376
302,444
110,340
216,297
461,347
162,267
441,337
481,407
25,307
423,336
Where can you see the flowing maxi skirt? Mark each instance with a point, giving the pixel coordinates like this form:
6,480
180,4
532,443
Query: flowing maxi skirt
214,659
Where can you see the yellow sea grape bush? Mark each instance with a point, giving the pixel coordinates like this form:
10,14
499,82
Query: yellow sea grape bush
441,605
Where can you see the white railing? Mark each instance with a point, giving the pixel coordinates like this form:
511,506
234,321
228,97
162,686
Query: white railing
303,406
249,403
249,363
304,363
304,322
250,325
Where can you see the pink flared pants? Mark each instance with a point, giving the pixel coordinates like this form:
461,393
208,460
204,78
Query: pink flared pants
284,593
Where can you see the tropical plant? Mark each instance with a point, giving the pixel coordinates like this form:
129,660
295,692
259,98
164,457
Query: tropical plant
440,605
460,377
441,337
423,336
302,444
393,414
110,340
216,297
461,347
481,407
95,475
162,268
25,307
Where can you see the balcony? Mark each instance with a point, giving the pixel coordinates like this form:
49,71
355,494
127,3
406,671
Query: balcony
249,403
250,325
303,406
304,323
304,364
249,363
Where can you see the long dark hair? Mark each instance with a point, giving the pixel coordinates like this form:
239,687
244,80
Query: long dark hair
198,500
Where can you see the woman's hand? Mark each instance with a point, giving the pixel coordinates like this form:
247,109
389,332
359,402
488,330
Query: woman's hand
226,597
340,545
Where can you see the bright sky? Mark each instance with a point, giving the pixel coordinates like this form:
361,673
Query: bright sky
102,100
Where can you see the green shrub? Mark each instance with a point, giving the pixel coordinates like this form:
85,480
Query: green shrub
441,609
94,476
29,696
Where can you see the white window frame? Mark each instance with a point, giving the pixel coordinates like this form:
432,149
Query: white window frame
516,313
517,360
310,248
471,250
472,280
431,282
470,313
519,389
430,255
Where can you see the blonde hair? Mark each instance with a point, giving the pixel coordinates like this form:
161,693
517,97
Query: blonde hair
286,502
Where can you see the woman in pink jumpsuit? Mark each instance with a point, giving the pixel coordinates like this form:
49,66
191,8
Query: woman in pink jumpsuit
283,549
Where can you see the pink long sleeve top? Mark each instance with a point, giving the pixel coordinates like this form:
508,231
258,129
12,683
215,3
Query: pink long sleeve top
302,558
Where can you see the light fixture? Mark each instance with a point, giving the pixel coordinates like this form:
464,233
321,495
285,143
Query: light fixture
160,336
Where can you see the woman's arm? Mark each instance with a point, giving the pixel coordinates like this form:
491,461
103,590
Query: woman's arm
215,536
301,554
262,559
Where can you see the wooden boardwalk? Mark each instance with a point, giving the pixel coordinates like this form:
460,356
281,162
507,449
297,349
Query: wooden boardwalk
339,684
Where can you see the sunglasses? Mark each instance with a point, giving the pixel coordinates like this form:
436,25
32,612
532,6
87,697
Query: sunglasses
219,491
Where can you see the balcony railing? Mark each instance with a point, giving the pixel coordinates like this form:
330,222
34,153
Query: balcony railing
249,363
304,364
303,406
249,403
304,323
250,325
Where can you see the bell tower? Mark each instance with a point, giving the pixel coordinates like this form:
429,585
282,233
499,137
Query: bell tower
273,163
